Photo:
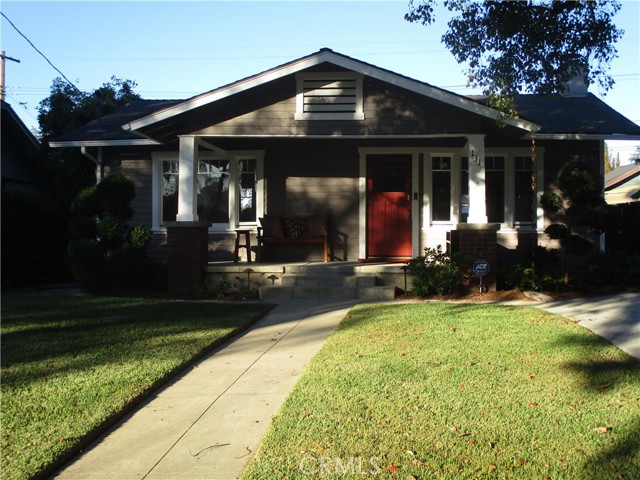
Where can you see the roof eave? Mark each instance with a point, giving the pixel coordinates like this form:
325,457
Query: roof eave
104,143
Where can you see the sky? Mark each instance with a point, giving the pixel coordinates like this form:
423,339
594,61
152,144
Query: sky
175,50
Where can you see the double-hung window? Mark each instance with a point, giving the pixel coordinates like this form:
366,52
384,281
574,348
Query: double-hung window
441,189
523,208
229,188
495,188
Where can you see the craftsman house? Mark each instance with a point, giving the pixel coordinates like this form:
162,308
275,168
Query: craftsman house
394,163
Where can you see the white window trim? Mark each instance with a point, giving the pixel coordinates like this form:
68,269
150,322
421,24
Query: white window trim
234,156
454,180
305,76
509,225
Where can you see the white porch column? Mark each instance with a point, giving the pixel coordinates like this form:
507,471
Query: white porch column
477,197
188,177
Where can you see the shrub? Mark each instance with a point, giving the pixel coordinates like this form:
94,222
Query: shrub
34,240
213,290
140,237
114,194
437,273
86,262
615,268
112,232
128,268
523,278
82,226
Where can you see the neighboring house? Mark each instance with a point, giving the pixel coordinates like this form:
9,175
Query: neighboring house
396,163
622,185
19,171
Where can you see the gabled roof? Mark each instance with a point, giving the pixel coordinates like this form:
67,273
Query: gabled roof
620,175
326,55
12,124
107,130
551,117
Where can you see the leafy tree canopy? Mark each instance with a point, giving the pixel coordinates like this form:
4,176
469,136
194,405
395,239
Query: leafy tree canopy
65,171
533,46
67,107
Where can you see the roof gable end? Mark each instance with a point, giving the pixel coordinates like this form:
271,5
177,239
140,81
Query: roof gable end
326,56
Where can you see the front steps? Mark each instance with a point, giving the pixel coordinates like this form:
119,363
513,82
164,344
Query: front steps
328,285
337,280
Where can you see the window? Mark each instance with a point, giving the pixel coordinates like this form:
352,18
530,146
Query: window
523,207
247,190
228,189
441,189
169,190
329,96
494,189
213,191
464,189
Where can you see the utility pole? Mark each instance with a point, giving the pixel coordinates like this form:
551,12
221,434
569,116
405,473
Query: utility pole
3,57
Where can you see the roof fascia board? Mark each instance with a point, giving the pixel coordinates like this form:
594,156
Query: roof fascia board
582,136
341,61
103,143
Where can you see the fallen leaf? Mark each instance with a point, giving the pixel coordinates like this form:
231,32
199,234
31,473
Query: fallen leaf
417,463
492,466
601,430
452,328
411,452
392,468
533,404
521,462
472,441
531,375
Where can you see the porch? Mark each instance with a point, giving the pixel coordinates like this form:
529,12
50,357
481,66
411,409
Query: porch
346,280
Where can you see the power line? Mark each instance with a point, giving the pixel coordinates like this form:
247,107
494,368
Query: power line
42,54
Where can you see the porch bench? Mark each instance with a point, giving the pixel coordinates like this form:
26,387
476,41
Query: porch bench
294,229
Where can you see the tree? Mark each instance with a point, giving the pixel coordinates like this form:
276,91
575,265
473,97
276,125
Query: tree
534,45
635,157
66,172
579,204
610,162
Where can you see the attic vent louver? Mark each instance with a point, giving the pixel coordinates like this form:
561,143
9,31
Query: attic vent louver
329,96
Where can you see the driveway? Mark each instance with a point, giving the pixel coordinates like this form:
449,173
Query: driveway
614,317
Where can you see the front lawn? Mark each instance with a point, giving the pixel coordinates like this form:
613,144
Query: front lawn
71,364
455,391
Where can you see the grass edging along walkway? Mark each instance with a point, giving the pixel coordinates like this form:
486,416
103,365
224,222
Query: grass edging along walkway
453,391
73,366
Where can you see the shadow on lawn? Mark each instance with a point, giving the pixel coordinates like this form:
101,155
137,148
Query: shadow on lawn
607,371
91,332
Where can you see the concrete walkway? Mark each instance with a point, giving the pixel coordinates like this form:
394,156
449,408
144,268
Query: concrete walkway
209,422
614,317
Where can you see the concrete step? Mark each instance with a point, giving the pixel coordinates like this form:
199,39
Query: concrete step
371,293
333,280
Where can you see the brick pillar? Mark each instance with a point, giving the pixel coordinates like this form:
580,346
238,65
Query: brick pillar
479,240
187,244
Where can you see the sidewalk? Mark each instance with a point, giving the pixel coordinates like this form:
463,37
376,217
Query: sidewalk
209,422
614,317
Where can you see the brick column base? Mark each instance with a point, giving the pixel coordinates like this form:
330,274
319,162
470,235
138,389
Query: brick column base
187,244
478,240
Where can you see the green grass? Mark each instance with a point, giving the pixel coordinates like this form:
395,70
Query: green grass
71,364
459,391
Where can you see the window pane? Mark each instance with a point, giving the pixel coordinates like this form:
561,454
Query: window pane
213,191
169,191
247,190
524,197
441,196
494,192
464,189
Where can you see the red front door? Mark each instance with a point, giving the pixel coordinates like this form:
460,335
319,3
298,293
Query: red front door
389,206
